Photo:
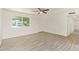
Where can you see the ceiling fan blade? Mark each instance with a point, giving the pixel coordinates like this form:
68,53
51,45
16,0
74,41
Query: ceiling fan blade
43,10
39,9
46,10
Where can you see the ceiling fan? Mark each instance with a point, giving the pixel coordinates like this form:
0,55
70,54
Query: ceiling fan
41,10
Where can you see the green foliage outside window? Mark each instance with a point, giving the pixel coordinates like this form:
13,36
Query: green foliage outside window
21,21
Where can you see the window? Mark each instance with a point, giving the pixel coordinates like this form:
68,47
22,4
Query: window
20,21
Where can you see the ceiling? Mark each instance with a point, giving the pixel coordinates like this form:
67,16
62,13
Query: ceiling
23,10
51,10
26,10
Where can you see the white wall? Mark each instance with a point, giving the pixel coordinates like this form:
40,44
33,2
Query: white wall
70,24
76,21
57,22
56,25
0,25
9,32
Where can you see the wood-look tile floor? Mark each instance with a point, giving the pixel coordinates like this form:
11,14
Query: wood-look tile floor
42,41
